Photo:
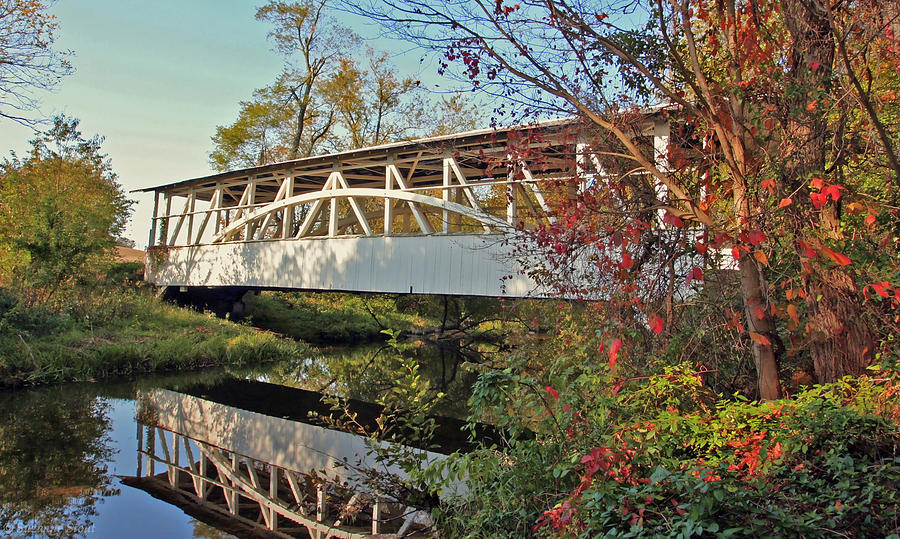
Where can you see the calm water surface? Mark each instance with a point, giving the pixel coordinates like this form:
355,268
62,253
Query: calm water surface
64,450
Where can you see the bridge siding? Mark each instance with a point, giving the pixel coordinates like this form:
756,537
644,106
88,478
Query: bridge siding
452,265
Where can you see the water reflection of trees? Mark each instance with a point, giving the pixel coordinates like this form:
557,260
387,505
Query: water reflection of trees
368,372
53,453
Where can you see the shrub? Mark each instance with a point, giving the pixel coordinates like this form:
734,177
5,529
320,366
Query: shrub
670,461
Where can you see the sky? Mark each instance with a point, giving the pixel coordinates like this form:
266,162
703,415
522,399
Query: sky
155,78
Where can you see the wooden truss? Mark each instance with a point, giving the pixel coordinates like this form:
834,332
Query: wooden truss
469,183
261,495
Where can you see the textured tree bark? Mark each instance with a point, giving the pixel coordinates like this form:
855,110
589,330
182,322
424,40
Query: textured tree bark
841,342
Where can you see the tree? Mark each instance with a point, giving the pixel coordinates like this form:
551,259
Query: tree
27,59
290,118
768,152
61,209
330,96
373,104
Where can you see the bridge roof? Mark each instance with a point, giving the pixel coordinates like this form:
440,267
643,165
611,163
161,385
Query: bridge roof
366,165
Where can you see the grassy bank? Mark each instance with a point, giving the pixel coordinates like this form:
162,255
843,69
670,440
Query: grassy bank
118,331
330,317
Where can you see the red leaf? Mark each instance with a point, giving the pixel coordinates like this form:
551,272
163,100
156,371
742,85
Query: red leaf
701,247
818,199
627,261
673,220
657,324
838,258
870,219
785,202
760,339
817,183
553,392
770,185
756,237
696,274
814,65
807,249
614,348
833,191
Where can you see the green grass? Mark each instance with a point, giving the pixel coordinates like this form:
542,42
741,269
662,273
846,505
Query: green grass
329,317
122,332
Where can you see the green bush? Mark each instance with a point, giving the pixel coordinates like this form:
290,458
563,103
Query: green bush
665,459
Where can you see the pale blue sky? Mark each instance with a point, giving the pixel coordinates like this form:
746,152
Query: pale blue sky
156,77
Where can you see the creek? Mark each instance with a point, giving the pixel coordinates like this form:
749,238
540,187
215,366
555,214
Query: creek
70,464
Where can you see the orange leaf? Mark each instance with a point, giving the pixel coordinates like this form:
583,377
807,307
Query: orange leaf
785,202
760,339
792,312
870,219
761,257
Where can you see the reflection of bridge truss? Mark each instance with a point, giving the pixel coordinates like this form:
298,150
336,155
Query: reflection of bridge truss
227,486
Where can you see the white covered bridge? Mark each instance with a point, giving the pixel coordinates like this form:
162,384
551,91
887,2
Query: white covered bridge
425,216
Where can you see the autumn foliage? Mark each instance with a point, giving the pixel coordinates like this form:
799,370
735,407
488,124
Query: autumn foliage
774,197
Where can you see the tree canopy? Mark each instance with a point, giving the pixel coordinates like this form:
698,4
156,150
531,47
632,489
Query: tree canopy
28,61
61,209
332,94
782,155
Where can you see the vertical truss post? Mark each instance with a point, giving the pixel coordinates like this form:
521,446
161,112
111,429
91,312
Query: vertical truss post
333,212
192,204
388,203
203,472
445,195
219,198
250,194
377,510
581,165
176,453
164,227
321,508
232,495
512,208
661,159
273,495
140,446
153,222
168,456
287,223
151,451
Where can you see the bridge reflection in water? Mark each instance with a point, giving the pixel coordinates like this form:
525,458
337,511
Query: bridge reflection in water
253,474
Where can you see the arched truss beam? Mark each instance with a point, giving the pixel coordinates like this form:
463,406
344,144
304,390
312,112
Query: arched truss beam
249,219
265,214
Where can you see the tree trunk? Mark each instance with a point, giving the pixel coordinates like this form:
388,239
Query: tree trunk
756,311
841,339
